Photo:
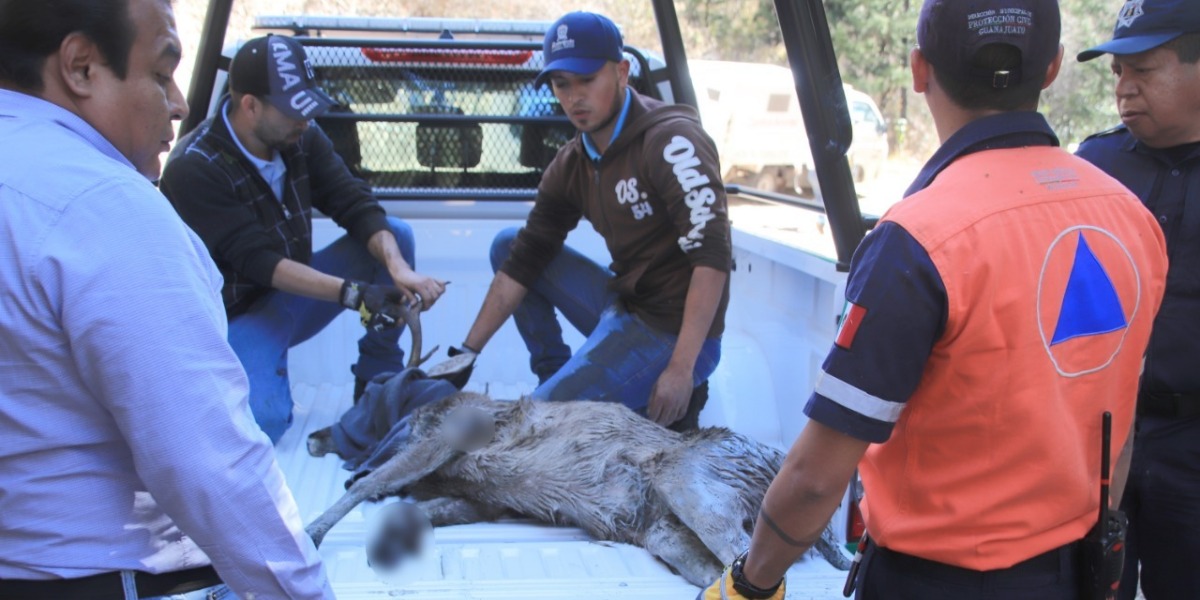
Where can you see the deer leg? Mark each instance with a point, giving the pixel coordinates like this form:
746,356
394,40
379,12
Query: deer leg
705,504
673,543
717,510
460,511
829,549
463,430
418,459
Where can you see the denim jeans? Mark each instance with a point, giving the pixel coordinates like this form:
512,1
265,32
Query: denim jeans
262,336
216,592
622,357
1162,501
887,575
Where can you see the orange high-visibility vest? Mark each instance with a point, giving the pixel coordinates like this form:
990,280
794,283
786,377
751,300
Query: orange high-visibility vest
1053,274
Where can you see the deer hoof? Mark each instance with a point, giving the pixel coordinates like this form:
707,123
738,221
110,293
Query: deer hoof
456,370
469,429
320,442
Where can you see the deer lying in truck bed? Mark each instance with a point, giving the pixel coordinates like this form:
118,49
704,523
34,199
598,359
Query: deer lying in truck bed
690,499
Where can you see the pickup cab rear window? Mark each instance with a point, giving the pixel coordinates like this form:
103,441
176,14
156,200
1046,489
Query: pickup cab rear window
425,121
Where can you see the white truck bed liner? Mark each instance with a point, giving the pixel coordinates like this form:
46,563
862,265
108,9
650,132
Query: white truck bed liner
523,559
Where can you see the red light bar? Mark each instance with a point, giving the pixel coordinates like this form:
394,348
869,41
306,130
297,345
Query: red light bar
457,57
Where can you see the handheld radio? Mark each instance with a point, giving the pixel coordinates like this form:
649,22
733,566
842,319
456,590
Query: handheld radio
1104,545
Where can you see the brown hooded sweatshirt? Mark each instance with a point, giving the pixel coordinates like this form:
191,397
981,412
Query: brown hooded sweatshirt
657,199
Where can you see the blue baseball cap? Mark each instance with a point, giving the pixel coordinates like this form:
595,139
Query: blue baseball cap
1147,24
580,43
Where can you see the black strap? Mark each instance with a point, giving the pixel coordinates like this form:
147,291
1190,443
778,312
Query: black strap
1160,404
108,586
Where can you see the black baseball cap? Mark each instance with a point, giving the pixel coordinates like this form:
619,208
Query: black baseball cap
950,32
276,68
1147,24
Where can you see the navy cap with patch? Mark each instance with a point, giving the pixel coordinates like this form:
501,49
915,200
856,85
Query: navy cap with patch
276,69
1147,24
580,43
951,32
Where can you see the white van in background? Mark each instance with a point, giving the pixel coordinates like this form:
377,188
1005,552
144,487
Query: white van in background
752,113
868,151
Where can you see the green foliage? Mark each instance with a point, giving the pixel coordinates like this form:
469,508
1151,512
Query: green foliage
873,39
1081,101
741,30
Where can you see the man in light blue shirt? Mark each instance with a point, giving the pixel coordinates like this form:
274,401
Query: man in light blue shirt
130,462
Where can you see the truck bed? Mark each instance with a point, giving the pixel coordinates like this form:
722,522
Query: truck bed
520,559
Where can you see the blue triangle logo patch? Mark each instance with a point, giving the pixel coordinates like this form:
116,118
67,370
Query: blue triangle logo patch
1090,305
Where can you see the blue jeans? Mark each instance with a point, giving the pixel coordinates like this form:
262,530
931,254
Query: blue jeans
262,336
622,357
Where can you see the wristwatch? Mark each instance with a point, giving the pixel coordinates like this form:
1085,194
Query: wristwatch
351,294
745,588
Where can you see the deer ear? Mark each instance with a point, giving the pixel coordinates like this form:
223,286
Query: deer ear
78,59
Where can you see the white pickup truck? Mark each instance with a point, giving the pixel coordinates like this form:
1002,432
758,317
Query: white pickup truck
451,135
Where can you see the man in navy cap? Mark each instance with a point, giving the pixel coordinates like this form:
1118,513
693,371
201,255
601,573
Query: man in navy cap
247,180
992,317
1155,152
646,177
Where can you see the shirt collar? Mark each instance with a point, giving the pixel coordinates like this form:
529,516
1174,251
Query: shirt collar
258,163
1004,130
1170,156
595,154
24,105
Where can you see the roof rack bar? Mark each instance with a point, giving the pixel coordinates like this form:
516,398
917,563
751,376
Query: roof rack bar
481,195
447,120
315,42
300,24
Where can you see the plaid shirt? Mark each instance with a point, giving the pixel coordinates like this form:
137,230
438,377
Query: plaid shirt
247,229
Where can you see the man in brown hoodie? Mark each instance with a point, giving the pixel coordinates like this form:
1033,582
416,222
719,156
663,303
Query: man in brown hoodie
646,176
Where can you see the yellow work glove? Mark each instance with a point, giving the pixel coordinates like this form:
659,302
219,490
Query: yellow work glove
731,586
379,306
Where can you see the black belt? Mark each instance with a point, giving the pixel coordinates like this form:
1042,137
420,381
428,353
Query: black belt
1062,560
108,586
1172,406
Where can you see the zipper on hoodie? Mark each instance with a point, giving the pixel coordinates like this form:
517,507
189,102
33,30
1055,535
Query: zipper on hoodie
603,207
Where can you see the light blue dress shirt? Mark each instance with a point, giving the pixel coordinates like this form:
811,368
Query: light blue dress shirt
123,411
272,171
590,146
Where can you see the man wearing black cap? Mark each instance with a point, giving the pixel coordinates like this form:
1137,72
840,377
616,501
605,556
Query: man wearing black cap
993,316
1155,152
247,180
646,176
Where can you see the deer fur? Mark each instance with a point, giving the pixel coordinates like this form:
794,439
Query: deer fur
690,499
